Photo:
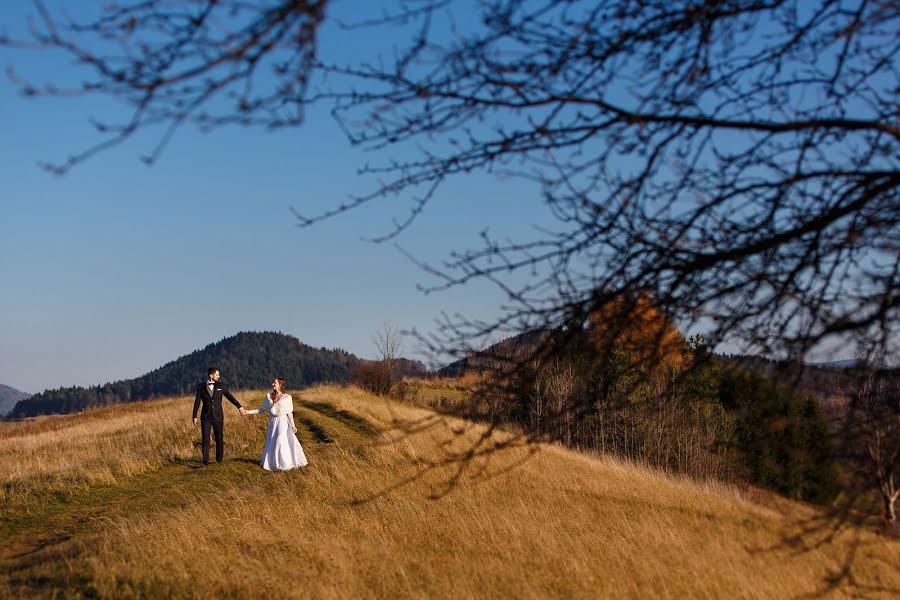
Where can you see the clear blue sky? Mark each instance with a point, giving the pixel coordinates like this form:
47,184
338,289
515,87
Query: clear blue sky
117,268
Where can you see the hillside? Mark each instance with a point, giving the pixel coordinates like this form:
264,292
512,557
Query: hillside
246,360
824,380
634,325
125,513
9,396
514,346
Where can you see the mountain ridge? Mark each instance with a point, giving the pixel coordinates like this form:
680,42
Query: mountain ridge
9,396
246,360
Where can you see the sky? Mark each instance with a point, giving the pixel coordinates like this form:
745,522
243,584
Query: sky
117,268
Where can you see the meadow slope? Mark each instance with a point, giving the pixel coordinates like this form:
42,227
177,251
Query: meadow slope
114,503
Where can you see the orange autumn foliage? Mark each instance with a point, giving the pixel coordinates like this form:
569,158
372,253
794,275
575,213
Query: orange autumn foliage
639,328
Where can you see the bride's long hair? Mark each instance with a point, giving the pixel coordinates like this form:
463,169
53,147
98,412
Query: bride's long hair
273,392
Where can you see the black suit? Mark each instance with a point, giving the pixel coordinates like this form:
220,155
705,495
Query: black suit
212,417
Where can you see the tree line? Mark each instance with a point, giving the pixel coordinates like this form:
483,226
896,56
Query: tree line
247,360
694,414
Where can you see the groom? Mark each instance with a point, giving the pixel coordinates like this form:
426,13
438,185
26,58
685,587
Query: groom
210,393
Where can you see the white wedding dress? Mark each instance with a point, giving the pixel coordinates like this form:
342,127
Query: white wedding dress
282,450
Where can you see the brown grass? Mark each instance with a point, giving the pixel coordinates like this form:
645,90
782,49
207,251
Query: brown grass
538,522
443,394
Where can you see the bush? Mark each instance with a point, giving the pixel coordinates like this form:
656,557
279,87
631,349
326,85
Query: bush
372,376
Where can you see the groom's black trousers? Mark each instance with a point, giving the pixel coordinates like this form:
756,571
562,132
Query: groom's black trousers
217,427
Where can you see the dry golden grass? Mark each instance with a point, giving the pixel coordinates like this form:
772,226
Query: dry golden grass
61,454
468,381
443,394
538,522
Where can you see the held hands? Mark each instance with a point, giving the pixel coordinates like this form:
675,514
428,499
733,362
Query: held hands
243,411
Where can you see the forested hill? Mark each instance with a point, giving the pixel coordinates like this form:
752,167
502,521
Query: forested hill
823,380
8,398
517,345
246,360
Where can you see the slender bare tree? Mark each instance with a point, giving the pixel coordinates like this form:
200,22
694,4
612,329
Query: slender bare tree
872,440
389,345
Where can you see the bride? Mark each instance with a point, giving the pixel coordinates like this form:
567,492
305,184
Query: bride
282,450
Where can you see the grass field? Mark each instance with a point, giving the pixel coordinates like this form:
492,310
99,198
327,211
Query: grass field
114,503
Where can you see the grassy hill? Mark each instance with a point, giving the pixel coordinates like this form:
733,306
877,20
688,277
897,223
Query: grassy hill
113,503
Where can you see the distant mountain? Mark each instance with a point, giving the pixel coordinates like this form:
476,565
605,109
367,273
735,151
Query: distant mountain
632,324
836,364
825,380
506,349
8,398
849,363
247,361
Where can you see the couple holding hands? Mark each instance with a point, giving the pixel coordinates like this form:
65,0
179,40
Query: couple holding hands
282,449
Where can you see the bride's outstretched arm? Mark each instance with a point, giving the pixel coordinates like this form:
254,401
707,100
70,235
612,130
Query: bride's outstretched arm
264,407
